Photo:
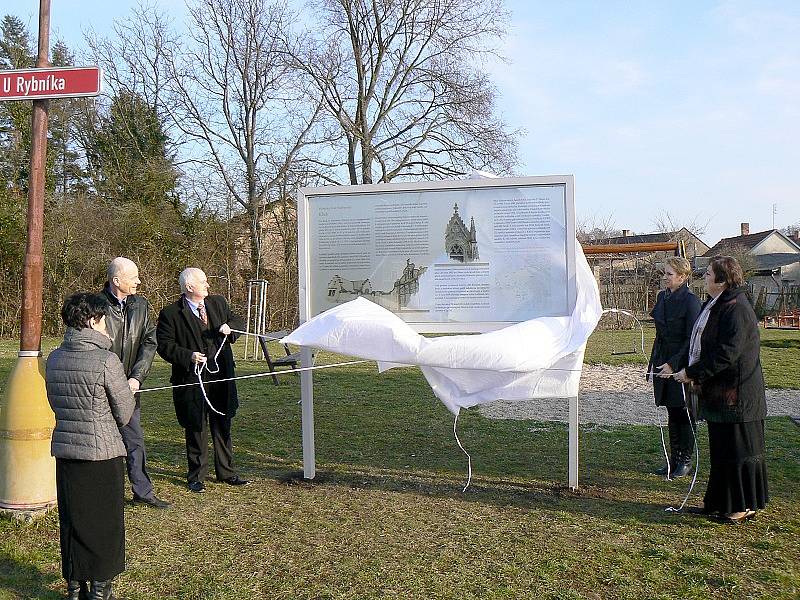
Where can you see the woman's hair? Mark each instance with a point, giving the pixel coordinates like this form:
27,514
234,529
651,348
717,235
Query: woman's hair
680,265
82,306
727,270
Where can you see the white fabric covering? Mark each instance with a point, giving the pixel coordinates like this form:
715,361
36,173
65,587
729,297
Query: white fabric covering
540,358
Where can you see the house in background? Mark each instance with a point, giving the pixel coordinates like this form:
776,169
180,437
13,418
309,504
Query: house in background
631,281
632,263
772,264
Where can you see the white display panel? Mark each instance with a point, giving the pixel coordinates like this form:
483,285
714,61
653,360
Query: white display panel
470,255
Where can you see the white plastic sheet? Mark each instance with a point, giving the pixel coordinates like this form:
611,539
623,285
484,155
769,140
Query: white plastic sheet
540,358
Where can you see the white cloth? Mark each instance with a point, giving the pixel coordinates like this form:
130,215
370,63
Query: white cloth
540,358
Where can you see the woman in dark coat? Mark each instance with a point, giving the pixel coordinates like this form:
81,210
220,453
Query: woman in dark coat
674,314
89,394
725,369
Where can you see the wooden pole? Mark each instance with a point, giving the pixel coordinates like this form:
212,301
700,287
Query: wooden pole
629,248
27,470
31,325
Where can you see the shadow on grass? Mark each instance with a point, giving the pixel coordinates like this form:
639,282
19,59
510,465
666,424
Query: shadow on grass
780,344
589,500
25,581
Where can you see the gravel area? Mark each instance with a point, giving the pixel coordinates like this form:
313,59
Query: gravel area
615,395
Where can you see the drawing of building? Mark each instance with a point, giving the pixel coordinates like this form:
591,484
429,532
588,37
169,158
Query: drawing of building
461,243
343,290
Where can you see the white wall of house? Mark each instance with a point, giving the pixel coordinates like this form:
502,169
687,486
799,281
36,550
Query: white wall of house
773,244
791,274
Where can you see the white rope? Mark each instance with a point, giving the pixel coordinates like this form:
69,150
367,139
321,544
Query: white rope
255,375
200,367
261,335
632,316
697,457
469,458
664,444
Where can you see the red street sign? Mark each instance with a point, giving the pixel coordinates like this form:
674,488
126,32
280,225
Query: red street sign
57,82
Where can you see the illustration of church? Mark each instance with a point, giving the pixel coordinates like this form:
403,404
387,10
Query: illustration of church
460,243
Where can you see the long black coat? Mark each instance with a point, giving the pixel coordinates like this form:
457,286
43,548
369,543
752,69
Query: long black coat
729,368
179,334
674,315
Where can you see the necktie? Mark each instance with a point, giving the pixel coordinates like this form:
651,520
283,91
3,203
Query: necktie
201,311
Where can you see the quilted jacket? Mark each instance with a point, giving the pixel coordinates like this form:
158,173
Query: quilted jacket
88,391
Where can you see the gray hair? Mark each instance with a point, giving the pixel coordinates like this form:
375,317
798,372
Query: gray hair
117,266
187,276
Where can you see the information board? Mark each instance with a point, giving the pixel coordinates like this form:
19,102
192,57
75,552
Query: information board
467,255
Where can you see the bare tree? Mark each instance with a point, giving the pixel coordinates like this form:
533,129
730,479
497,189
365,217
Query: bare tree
400,80
596,227
134,56
666,222
233,91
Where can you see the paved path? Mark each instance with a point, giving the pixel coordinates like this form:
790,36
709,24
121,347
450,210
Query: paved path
615,395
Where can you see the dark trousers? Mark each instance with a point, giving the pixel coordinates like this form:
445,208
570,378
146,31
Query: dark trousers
197,448
678,414
133,436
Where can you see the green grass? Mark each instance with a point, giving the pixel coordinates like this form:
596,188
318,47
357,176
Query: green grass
386,517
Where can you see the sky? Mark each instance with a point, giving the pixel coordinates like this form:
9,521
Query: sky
687,108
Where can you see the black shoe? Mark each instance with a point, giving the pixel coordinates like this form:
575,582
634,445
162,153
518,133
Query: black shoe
235,480
197,487
662,471
681,470
101,590
77,590
153,501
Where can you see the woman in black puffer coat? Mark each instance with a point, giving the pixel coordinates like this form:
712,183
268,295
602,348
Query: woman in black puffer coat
674,314
725,369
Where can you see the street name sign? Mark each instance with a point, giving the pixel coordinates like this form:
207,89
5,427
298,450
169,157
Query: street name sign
56,82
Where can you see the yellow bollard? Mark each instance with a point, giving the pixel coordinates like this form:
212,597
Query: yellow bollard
27,471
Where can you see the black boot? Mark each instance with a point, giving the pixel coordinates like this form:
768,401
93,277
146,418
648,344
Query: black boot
77,590
674,435
683,458
101,590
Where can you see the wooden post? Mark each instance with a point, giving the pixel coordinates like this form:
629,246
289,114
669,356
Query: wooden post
27,471
31,330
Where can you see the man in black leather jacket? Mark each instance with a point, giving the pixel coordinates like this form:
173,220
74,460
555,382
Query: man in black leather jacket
133,337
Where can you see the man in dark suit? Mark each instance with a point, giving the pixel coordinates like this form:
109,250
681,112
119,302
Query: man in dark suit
133,340
190,332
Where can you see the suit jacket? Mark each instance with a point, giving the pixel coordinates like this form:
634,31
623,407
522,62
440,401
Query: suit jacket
179,334
133,334
674,315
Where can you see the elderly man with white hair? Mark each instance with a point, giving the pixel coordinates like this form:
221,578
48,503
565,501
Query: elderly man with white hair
190,333
133,340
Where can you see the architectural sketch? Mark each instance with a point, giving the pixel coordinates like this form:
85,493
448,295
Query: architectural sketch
342,290
461,243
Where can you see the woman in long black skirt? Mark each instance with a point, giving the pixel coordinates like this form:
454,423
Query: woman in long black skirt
725,369
88,392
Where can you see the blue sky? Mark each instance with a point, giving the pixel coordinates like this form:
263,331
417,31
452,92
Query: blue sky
686,107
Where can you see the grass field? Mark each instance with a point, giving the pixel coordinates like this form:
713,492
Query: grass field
386,517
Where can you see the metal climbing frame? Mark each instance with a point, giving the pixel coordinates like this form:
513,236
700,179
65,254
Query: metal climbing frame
257,316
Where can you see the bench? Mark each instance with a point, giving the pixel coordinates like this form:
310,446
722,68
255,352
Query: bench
291,360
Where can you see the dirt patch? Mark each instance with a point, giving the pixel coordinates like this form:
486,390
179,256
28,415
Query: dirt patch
616,395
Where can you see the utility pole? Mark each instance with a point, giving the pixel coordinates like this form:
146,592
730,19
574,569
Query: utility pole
774,212
27,471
